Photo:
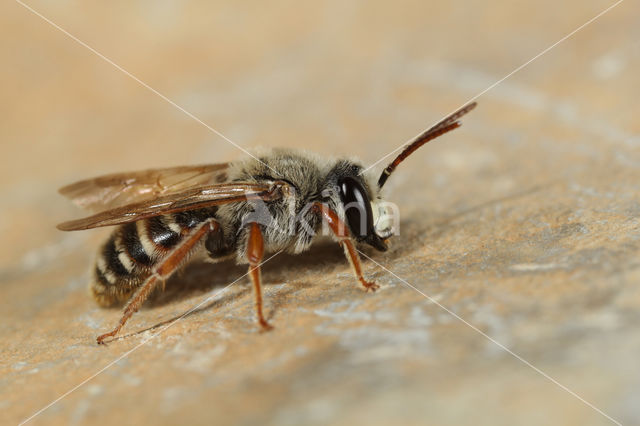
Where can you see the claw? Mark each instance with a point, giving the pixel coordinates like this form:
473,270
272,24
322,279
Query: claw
100,339
265,326
370,286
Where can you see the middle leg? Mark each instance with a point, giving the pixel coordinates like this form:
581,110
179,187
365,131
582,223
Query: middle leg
255,253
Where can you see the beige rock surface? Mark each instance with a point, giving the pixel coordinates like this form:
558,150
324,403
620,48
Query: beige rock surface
524,223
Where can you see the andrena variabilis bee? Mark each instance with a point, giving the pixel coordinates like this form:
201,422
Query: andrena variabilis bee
277,200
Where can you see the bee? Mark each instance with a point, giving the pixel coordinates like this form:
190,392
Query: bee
275,201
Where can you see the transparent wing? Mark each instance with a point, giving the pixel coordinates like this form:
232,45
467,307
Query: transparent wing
119,189
188,199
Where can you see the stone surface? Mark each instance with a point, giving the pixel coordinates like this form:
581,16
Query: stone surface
523,223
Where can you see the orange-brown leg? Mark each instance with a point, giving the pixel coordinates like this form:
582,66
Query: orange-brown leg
161,272
255,252
339,228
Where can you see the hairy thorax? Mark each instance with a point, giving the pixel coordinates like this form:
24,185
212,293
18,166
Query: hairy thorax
287,223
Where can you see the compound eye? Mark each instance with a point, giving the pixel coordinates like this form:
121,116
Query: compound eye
357,207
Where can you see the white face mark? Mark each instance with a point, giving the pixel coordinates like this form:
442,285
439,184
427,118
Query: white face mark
385,218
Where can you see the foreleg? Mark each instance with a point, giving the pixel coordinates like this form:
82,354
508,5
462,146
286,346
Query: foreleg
340,230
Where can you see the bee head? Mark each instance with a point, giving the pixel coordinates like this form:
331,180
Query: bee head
364,216
363,212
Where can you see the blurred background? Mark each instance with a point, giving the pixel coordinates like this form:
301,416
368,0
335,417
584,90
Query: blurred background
524,222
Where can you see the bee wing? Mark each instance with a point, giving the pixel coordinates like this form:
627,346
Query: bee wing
189,199
119,189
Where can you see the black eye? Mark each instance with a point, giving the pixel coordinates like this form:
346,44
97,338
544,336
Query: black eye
357,207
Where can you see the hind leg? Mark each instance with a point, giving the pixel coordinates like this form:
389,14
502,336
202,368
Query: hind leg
161,272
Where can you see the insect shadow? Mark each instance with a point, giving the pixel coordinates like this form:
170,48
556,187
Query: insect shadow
199,278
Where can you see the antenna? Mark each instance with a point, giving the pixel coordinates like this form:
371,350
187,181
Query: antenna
446,125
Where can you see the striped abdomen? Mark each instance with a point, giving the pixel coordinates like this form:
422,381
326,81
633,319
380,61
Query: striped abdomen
134,249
